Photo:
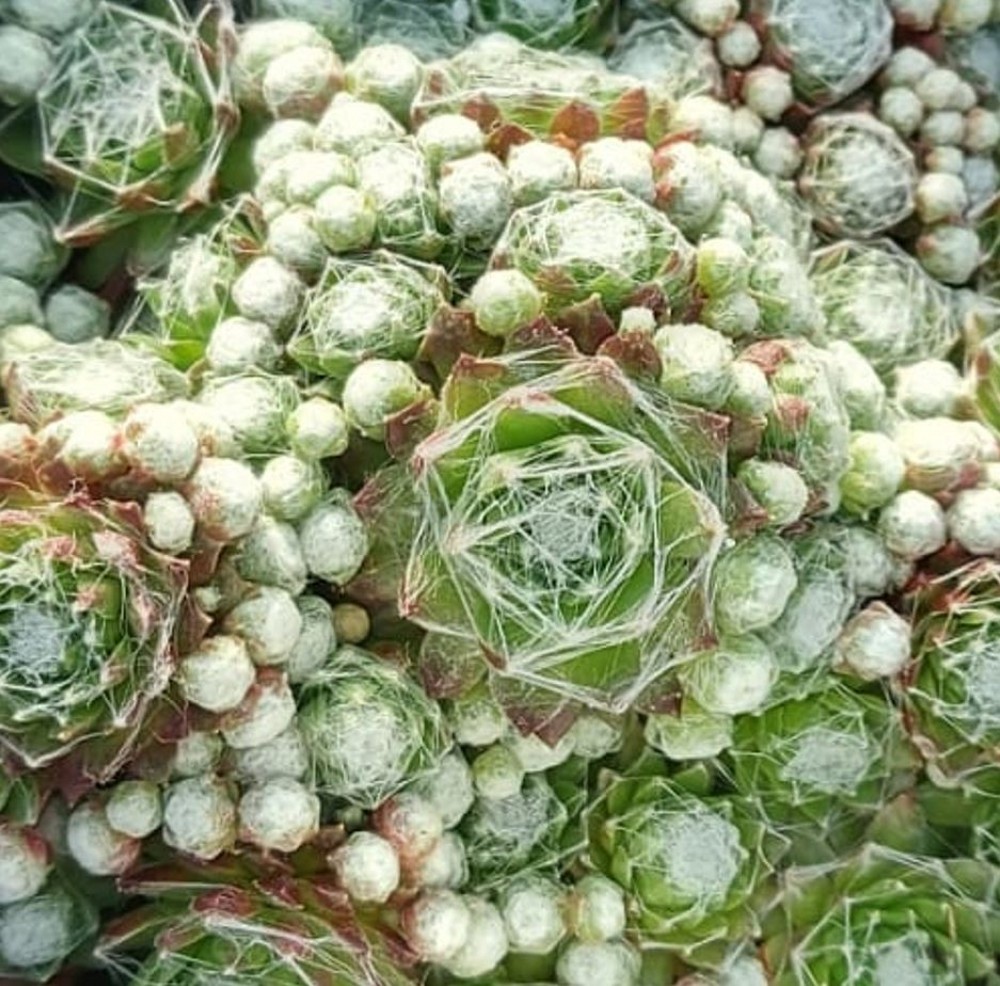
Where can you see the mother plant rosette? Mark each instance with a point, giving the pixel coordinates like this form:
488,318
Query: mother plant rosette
88,615
567,521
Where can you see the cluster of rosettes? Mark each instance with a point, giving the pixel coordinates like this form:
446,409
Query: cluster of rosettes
538,531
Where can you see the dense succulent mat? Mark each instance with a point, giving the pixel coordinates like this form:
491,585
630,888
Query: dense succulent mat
500,492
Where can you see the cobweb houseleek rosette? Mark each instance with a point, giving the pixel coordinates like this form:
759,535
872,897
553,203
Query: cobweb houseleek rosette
608,242
561,24
822,765
567,522
237,919
136,115
689,864
880,300
497,80
87,618
830,47
885,916
952,694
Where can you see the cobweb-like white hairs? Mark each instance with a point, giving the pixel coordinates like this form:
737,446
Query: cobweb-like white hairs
880,300
359,309
832,47
607,242
956,692
567,529
858,177
132,105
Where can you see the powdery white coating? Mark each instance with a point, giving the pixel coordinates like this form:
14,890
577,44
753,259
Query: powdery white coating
913,525
611,162
301,82
734,677
199,817
268,622
949,253
334,541
707,118
344,219
316,640
974,520
217,675
388,74
225,497
86,442
982,130
476,198
351,623
928,389
95,845
768,92
485,945
26,64
291,486
215,435
169,522
981,175
867,563
261,42
134,808
476,719
777,488
50,18
939,452
874,473
158,441
283,756
696,364
196,753
24,863
503,301
438,924
39,930
697,851
375,390
944,158
271,555
449,788
411,823
748,128
537,169
943,127
267,712
597,909
279,814
532,914
939,89
368,868
444,866
738,46
450,136
497,773
292,238
610,963
710,17
778,153
595,736
919,15
900,107
874,644
353,126
268,292
534,754
751,394
318,429
829,760
753,583
693,735
907,66
307,174
966,16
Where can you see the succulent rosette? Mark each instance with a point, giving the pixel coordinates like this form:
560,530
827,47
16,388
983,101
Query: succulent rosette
568,22
135,115
567,522
224,922
885,915
89,617
951,692
690,864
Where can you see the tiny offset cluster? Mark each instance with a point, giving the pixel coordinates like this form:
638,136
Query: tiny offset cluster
500,493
